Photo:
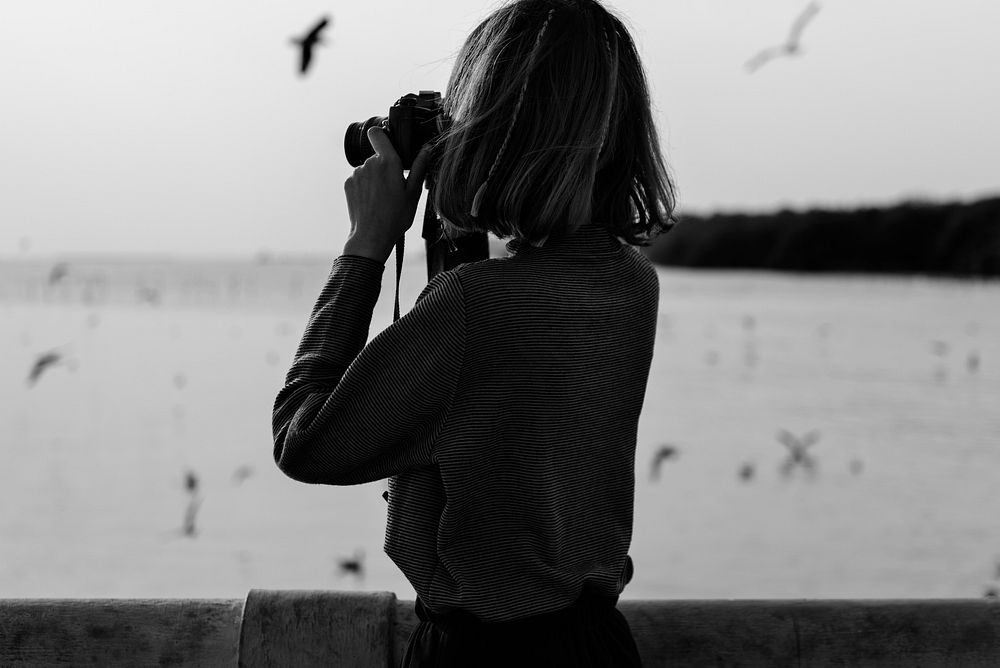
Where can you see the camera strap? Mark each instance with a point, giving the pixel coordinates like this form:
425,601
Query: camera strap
399,273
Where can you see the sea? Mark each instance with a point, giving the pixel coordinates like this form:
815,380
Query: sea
803,436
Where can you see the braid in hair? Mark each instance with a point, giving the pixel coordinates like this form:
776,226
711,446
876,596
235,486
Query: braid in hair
478,199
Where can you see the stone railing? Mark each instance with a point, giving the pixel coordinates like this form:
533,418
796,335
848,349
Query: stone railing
329,628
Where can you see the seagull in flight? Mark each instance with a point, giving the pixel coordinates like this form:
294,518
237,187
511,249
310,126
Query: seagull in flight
797,455
664,453
792,45
194,501
353,565
43,362
311,39
58,273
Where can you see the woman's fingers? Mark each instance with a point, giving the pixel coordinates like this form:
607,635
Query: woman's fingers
383,147
387,152
415,179
380,202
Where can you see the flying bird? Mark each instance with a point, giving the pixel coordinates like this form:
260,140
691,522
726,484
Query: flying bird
972,362
792,45
191,482
194,502
308,42
797,455
43,362
354,565
664,453
58,272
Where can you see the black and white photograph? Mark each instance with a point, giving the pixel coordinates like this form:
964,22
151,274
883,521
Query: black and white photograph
582,333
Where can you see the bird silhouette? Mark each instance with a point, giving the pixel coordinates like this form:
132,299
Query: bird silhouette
664,453
43,362
972,362
58,272
797,455
308,42
194,502
354,565
746,471
792,45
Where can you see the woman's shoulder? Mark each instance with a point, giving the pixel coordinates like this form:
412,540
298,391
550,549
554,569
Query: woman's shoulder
641,263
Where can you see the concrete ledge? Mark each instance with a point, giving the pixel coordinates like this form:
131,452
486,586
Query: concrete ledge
329,628
818,633
317,628
119,632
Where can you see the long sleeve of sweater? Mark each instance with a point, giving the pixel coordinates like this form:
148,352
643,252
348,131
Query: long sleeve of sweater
351,413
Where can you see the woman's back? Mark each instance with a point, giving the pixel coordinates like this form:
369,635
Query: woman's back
535,457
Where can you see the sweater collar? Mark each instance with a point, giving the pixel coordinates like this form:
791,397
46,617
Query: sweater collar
589,239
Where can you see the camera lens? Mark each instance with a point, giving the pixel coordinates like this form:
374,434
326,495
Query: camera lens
357,148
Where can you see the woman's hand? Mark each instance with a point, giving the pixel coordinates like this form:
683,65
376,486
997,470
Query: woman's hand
380,202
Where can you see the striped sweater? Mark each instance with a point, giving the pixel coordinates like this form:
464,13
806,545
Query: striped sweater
503,407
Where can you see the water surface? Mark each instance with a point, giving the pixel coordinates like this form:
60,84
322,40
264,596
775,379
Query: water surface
173,366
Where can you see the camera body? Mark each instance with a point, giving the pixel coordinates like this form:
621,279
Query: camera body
414,120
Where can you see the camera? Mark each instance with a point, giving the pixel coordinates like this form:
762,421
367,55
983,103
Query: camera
414,120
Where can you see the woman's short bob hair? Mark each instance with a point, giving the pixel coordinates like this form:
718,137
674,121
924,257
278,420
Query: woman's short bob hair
551,129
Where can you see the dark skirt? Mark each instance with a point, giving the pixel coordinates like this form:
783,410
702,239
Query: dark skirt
590,633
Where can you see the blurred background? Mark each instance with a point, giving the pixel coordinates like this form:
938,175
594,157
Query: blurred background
820,416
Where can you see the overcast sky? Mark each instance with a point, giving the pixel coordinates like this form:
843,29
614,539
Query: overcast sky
141,126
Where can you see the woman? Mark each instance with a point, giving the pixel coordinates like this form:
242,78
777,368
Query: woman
504,406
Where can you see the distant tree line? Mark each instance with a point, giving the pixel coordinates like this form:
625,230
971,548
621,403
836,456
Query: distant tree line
954,239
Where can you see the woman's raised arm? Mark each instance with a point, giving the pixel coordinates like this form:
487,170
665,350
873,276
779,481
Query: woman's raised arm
351,413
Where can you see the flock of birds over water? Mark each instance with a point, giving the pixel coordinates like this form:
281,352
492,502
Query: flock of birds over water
798,458
59,275
353,565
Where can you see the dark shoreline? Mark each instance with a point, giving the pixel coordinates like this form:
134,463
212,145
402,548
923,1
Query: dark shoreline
936,239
